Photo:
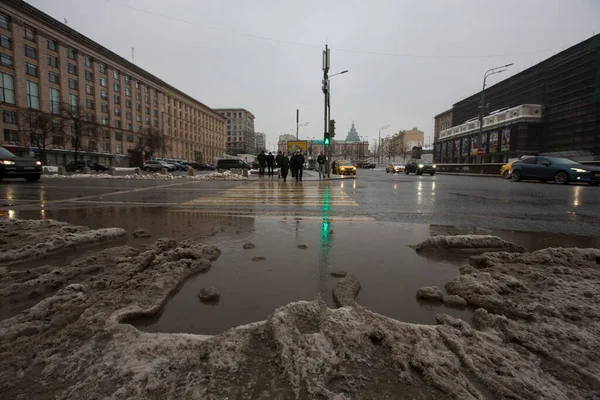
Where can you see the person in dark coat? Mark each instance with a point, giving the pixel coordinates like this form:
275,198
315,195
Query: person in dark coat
284,166
278,162
270,164
262,160
297,162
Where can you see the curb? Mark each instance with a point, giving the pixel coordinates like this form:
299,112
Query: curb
468,174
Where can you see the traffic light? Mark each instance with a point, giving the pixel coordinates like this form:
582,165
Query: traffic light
327,141
332,127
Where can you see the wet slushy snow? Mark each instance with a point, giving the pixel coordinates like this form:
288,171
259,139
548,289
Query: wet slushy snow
535,335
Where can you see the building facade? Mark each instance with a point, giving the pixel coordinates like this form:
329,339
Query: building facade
552,108
442,121
241,137
261,142
45,66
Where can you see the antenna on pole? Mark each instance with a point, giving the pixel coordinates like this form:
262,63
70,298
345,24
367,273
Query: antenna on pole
133,55
66,22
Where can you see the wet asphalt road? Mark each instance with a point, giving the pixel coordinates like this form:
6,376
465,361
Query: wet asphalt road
463,201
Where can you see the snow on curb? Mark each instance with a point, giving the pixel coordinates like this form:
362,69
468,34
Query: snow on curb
468,242
39,243
212,176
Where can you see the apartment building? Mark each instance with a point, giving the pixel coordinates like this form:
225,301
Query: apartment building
261,142
46,65
241,138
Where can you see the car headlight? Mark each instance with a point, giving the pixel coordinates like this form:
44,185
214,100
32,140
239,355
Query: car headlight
38,163
434,166
421,165
579,170
8,162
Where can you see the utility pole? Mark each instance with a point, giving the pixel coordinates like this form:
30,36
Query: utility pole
326,64
297,121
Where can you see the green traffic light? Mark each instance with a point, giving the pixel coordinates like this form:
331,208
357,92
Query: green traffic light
326,141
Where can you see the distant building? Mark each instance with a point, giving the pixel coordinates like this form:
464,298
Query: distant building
352,135
261,142
282,142
399,147
241,137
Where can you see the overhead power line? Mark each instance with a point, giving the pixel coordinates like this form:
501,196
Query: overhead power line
319,46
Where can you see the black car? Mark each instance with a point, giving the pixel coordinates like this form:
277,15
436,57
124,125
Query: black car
12,166
206,167
420,167
94,166
226,163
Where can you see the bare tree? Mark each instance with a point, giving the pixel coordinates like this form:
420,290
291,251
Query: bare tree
39,129
152,141
83,127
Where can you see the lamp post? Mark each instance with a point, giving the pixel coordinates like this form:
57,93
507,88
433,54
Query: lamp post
380,146
489,72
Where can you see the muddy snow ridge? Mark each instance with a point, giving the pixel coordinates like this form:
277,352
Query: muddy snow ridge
535,335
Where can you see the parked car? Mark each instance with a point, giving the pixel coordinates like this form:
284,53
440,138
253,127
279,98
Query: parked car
226,163
12,166
206,167
394,168
155,165
94,166
76,166
560,170
420,167
370,165
343,167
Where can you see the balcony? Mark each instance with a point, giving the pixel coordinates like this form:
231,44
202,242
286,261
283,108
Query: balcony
497,119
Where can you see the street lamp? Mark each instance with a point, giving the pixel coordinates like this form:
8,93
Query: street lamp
380,146
489,72
339,73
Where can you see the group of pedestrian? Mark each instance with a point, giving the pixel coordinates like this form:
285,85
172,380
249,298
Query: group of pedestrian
295,163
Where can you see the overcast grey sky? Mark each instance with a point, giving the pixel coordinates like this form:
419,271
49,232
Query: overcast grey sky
440,51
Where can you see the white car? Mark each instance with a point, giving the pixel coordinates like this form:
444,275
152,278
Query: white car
395,168
155,165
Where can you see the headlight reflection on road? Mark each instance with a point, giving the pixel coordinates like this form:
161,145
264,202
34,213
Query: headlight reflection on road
576,196
420,195
11,214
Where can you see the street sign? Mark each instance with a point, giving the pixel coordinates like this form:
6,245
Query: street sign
32,152
480,152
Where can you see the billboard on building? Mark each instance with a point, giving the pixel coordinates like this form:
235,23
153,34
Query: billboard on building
494,142
456,150
505,140
295,145
475,144
465,146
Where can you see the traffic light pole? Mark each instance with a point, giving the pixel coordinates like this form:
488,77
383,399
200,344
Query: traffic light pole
326,109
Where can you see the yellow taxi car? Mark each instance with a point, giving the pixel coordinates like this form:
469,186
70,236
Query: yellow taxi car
505,170
344,167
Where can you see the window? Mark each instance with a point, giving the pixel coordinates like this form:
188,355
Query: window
71,53
88,61
6,61
127,79
9,117
117,123
30,52
155,103
138,95
89,89
128,114
4,22
156,123
30,69
54,101
53,77
89,103
52,44
89,76
145,89
147,120
72,69
104,120
127,92
116,87
104,107
148,110
127,103
116,74
138,107
73,84
130,138
138,118
117,99
118,148
138,128
107,147
29,33
137,85
106,135
103,82
53,61
129,126
91,117
117,111
118,136
102,68
103,95
147,99
156,113
5,42
73,101
33,95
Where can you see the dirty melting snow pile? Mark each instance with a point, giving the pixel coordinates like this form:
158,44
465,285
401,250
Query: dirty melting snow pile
536,335
211,176
29,239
